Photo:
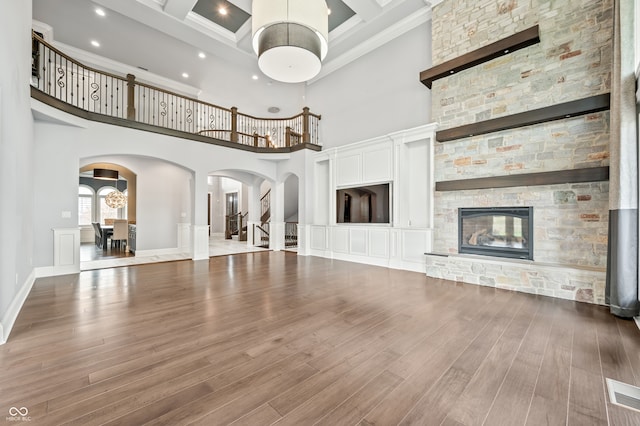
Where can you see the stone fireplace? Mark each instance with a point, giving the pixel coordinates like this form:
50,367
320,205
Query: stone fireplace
496,231
567,256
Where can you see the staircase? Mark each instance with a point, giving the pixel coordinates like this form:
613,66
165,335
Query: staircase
261,232
236,224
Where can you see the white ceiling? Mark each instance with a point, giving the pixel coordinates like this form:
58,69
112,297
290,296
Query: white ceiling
165,36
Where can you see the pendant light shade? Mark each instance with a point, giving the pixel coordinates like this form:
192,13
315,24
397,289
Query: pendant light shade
105,174
116,199
290,38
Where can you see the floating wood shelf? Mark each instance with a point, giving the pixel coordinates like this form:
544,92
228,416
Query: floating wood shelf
554,112
507,45
593,174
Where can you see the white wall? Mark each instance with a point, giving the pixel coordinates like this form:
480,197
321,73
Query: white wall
61,147
291,191
217,205
376,94
16,168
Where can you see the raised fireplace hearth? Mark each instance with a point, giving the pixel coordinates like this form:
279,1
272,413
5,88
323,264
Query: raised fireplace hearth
496,231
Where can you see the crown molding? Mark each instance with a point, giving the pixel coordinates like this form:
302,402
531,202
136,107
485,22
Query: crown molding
396,30
91,59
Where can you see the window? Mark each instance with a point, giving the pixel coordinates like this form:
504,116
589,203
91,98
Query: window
85,205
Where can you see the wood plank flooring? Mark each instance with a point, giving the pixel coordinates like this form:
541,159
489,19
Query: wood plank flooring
273,338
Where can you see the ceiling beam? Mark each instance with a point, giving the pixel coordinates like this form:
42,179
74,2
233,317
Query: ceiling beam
179,8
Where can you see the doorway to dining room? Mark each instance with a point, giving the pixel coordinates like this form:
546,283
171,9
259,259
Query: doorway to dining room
106,212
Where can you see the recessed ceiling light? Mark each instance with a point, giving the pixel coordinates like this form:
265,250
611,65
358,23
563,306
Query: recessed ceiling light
185,75
95,43
100,12
222,10
255,77
201,55
328,11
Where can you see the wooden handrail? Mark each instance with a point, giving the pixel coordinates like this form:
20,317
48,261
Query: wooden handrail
262,229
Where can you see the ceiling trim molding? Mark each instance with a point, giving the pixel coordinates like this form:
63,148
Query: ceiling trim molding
344,30
396,30
204,25
45,29
109,65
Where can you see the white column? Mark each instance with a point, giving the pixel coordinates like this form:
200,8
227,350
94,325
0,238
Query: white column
200,228
276,227
254,212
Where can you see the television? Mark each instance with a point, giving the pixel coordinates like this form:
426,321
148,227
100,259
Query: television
364,204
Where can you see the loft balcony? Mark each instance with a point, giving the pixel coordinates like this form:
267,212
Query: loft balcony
66,84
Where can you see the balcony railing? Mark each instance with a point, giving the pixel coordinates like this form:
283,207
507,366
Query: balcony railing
67,80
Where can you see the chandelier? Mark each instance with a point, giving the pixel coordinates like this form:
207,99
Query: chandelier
290,38
116,199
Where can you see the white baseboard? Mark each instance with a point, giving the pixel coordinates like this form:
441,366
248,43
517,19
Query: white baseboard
53,271
9,318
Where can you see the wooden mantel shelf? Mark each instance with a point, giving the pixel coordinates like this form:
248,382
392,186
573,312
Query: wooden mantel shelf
505,46
541,115
593,174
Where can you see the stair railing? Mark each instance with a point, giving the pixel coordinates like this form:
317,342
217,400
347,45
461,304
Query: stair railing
66,80
290,234
265,207
261,235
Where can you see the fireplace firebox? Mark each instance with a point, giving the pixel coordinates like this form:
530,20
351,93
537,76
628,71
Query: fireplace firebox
496,231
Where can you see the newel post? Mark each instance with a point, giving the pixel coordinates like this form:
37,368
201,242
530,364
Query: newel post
131,106
306,137
287,137
234,124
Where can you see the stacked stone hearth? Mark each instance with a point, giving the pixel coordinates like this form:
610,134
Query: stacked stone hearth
571,62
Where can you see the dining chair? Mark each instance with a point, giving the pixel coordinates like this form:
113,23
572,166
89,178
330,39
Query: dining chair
98,231
120,232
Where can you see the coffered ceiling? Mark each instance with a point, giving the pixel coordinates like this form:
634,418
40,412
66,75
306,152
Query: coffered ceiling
175,37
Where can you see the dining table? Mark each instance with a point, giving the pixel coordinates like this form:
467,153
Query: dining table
107,232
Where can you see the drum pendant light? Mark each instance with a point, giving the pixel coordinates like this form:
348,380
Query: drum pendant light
290,38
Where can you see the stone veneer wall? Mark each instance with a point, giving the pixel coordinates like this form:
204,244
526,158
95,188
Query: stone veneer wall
572,61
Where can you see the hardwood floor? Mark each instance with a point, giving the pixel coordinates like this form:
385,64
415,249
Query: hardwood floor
273,338
89,251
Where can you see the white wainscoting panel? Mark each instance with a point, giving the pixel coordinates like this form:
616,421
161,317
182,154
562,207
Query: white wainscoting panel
66,250
318,237
377,165
358,241
87,234
340,239
200,242
379,243
349,170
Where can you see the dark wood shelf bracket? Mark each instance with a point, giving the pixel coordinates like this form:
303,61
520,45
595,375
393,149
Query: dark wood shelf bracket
554,112
592,174
502,47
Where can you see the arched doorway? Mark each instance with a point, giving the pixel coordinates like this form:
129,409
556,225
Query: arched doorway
107,223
